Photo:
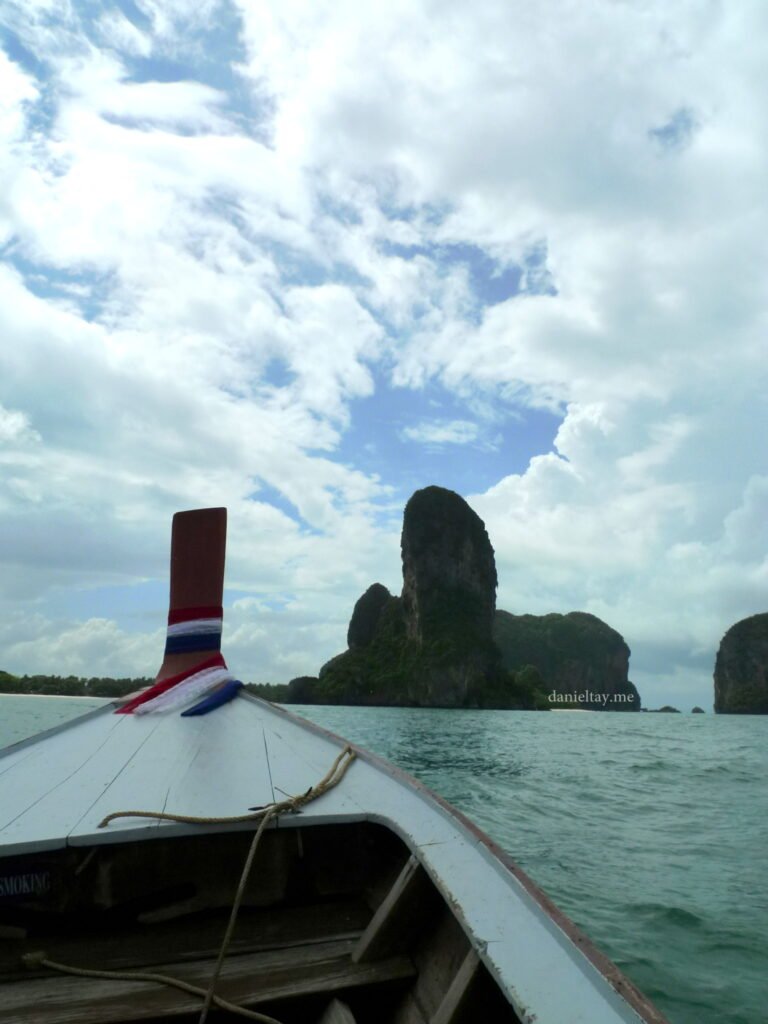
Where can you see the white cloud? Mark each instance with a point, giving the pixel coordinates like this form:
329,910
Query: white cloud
14,427
17,93
442,432
98,84
95,647
196,313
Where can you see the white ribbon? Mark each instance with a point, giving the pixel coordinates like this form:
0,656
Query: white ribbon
186,692
195,626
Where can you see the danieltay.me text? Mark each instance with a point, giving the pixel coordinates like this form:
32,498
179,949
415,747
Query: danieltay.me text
588,697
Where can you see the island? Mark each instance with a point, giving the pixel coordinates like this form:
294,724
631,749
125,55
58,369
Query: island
741,668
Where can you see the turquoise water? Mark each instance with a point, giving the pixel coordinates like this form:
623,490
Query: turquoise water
650,831
24,716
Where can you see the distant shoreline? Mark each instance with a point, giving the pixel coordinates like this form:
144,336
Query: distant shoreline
56,696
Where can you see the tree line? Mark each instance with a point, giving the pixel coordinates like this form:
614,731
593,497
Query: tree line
70,686
102,686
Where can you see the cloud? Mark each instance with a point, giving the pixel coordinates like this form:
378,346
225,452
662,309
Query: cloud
223,224
438,433
98,84
442,432
15,428
98,644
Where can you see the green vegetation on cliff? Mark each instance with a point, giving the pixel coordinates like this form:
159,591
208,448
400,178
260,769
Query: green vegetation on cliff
575,654
394,669
554,637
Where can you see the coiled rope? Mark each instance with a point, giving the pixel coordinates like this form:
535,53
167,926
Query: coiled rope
263,815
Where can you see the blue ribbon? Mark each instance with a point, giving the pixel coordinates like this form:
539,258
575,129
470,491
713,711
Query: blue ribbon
193,642
223,695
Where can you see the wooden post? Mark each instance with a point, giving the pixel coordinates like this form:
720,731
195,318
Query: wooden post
198,547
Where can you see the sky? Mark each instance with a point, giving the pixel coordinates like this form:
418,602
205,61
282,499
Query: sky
303,258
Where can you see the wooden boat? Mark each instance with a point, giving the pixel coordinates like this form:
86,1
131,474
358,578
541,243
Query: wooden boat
369,898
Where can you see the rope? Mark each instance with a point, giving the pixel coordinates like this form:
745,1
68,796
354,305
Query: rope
209,996
294,803
264,815
335,774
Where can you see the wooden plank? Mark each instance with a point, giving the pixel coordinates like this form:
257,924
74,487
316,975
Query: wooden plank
196,938
11,754
453,1000
43,787
439,957
394,919
337,1013
244,772
248,980
61,788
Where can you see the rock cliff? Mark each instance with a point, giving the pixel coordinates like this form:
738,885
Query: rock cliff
582,661
366,615
449,596
741,668
432,645
449,568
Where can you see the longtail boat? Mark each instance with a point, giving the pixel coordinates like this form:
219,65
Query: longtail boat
195,853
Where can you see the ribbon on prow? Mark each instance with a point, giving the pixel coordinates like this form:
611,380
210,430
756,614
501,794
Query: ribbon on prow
193,666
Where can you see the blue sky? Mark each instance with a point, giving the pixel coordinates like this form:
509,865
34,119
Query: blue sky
301,259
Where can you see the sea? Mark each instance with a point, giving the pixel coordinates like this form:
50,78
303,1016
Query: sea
649,830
